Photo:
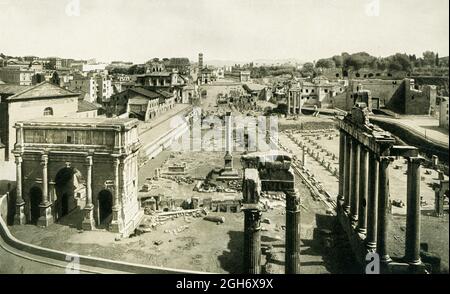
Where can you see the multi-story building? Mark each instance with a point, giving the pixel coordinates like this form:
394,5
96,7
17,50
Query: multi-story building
171,82
104,88
140,103
87,86
16,76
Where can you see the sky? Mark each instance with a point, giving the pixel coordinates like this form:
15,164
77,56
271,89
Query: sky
238,30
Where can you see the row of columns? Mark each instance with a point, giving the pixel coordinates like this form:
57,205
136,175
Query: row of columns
45,206
364,191
296,102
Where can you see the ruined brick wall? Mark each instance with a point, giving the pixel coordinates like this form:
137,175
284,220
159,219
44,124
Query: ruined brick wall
419,101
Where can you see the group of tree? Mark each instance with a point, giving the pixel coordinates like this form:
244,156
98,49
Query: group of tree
396,62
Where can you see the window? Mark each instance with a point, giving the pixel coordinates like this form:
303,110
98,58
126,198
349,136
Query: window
48,111
69,139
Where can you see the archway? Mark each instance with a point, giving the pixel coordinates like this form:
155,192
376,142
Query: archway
68,183
35,200
105,205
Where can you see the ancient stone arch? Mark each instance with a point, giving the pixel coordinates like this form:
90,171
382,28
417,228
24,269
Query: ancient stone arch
102,154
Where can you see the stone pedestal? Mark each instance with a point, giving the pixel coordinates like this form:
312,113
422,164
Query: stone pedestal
116,225
19,217
46,218
88,223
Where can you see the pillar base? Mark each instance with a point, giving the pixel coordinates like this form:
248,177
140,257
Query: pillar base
385,259
371,246
88,223
46,218
19,217
116,225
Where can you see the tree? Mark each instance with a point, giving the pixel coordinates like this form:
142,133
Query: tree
437,60
325,63
307,69
429,58
338,60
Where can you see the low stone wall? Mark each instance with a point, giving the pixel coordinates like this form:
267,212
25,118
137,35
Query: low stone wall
99,263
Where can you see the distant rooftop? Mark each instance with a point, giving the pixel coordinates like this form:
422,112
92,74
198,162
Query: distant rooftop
42,90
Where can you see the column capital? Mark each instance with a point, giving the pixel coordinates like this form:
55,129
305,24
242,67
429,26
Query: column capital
44,159
416,160
386,159
18,158
89,160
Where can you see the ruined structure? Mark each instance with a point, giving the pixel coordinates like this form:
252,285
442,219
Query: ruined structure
271,172
63,163
365,154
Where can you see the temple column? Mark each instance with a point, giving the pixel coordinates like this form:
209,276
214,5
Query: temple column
19,217
116,222
292,253
289,104
348,173
88,221
372,205
362,195
252,241
383,209
45,207
251,189
341,164
412,242
354,202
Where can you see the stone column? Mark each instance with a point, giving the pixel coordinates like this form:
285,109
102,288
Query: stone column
19,217
288,104
251,189
354,202
116,223
363,190
341,164
252,241
383,209
45,208
88,221
295,105
348,173
412,242
372,205
292,253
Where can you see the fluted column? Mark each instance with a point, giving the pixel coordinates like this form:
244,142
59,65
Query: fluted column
341,164
252,241
372,204
412,242
363,191
45,209
383,207
88,221
292,253
116,223
348,173
19,217
354,202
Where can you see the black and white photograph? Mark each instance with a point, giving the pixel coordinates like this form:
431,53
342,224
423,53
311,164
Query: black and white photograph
227,137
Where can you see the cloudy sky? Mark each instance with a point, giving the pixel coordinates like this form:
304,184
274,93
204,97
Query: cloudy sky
243,30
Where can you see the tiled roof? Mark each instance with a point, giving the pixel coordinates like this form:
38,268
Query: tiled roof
152,94
43,90
84,105
12,89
